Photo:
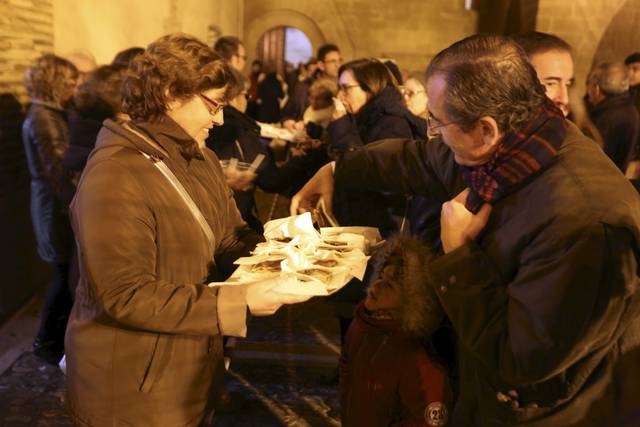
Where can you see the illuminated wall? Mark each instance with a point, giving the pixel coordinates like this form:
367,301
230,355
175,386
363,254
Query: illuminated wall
106,27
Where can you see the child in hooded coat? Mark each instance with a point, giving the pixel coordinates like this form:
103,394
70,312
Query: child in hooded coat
389,376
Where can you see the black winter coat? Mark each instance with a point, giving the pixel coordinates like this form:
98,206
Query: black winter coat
84,126
546,302
618,122
239,137
270,93
45,138
382,117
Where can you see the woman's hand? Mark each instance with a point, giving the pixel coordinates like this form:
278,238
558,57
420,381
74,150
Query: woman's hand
263,301
239,180
319,186
339,109
458,225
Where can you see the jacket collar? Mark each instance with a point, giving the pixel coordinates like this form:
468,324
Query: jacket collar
169,135
612,103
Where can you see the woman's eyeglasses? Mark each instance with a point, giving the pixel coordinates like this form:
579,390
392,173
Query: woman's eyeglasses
213,106
345,88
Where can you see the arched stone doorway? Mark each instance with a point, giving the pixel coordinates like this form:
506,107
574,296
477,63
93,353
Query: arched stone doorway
281,45
280,18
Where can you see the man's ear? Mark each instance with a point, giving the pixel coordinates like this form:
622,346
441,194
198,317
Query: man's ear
489,131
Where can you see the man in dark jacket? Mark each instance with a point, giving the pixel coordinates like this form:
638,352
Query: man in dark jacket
613,111
539,271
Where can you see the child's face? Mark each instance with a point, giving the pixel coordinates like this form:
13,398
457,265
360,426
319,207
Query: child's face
384,293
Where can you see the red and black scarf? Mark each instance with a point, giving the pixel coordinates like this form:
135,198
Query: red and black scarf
519,155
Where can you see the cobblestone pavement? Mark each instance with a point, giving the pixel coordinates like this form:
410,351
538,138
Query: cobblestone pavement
283,374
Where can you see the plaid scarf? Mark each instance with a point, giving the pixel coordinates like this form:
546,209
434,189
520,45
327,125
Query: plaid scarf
519,155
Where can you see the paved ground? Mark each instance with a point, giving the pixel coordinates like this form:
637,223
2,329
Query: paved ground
280,375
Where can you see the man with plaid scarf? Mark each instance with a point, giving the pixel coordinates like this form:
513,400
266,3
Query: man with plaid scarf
540,243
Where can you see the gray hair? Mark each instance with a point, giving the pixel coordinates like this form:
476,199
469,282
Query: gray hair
611,77
488,75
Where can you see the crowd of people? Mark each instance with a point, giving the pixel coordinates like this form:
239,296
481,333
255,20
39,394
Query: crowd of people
506,293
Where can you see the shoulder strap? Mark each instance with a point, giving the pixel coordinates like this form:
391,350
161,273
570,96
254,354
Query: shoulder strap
175,182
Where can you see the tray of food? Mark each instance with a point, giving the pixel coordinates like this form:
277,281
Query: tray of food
305,261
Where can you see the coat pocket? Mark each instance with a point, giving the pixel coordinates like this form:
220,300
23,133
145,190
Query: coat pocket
157,361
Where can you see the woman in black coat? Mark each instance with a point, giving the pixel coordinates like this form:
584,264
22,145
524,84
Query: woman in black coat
374,110
270,93
50,81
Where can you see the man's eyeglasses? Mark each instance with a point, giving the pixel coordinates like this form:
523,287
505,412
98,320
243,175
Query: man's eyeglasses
433,124
213,106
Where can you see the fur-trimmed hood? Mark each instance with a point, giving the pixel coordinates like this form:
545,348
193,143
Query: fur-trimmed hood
421,312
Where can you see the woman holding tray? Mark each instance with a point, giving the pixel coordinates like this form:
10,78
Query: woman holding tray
155,222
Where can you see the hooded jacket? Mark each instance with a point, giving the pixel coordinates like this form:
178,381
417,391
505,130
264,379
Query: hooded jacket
143,341
387,377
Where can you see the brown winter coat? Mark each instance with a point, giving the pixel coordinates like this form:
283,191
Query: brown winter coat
144,338
546,303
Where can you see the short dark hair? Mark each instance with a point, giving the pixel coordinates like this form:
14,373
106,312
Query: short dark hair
488,75
174,66
124,57
632,59
325,49
372,75
535,42
227,46
102,89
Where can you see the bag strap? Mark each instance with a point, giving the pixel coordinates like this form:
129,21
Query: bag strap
175,182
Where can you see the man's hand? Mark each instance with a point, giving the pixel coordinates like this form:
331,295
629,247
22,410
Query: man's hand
262,301
319,186
458,225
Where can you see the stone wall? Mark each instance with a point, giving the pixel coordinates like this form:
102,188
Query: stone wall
26,31
104,28
411,32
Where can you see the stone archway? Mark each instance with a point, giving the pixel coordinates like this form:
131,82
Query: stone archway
277,18
621,37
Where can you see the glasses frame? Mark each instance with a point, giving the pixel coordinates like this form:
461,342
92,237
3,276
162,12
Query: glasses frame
431,127
208,102
345,88
411,93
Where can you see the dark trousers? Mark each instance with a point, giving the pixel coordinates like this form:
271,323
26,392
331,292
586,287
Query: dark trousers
57,306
